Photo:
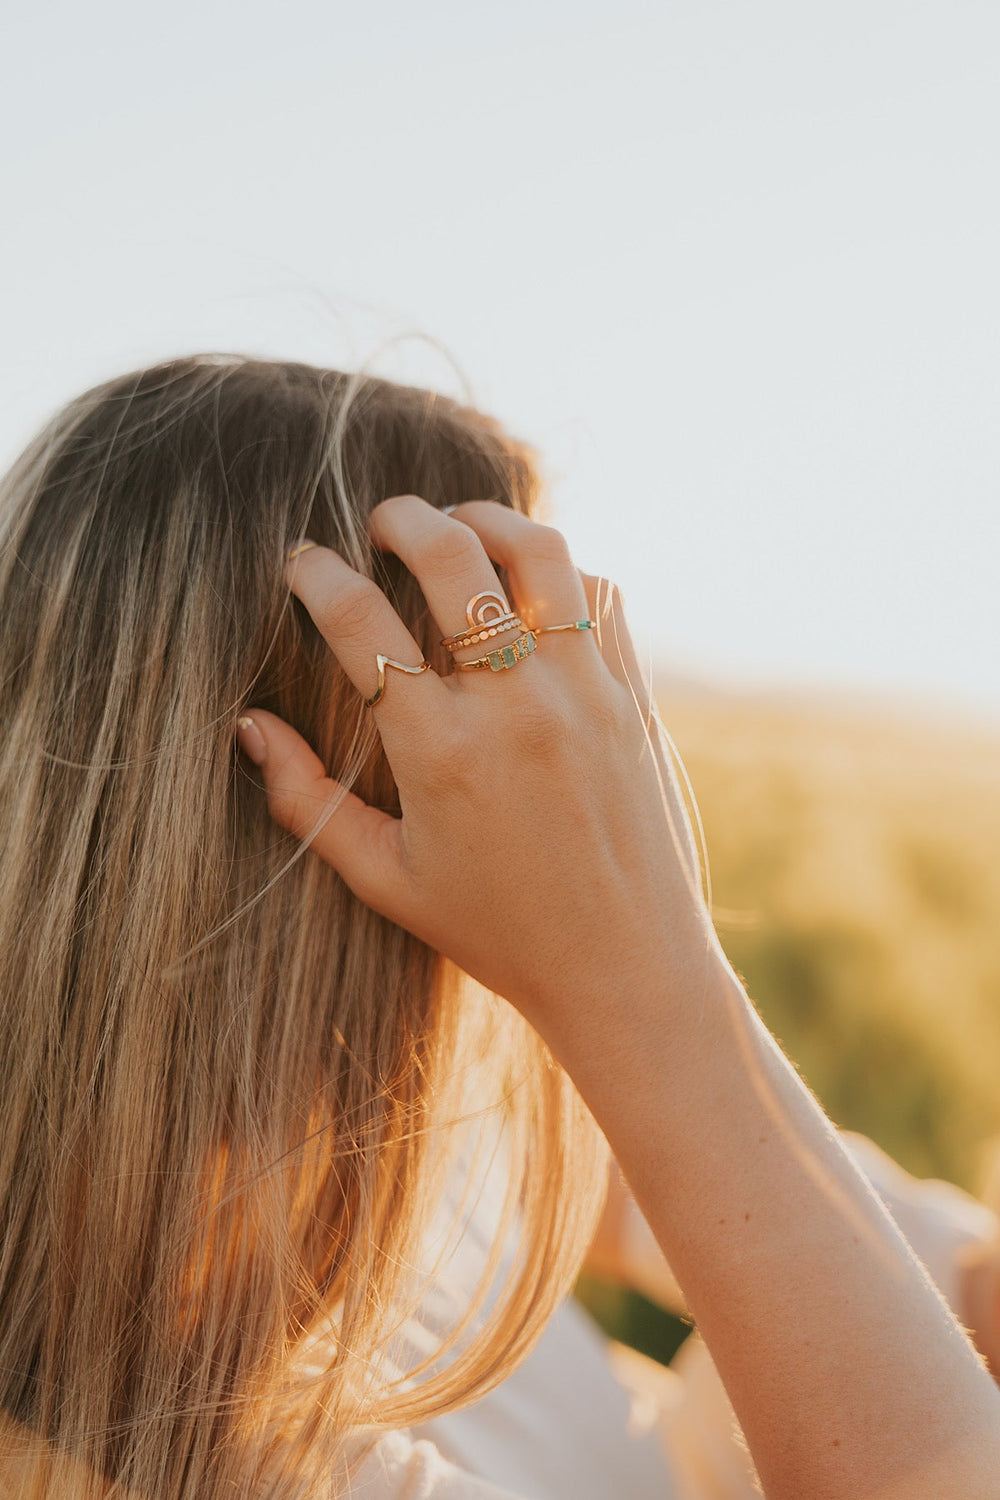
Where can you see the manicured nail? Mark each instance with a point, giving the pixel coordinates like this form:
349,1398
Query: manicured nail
251,740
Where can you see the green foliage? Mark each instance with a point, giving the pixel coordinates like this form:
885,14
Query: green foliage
632,1320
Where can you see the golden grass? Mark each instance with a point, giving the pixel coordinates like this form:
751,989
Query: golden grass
854,858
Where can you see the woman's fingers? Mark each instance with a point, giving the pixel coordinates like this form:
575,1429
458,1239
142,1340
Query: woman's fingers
605,605
447,559
618,650
542,575
360,625
362,843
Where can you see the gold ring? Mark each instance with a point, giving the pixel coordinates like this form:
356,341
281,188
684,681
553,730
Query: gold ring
488,615
503,657
386,661
570,625
502,626
302,547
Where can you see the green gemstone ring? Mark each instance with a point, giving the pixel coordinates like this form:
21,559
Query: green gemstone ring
570,625
503,657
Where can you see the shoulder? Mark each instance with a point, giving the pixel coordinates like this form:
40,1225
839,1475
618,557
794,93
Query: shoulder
401,1467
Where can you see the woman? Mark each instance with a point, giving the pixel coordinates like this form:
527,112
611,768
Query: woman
240,1054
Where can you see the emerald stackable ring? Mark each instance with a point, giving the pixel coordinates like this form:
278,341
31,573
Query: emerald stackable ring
503,657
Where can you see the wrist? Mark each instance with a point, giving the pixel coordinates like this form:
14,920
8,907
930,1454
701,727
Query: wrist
634,1022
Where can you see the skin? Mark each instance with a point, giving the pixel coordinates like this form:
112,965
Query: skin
849,1375
613,1256
981,1301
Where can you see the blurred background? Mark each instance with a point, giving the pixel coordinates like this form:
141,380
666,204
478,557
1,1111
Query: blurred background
732,269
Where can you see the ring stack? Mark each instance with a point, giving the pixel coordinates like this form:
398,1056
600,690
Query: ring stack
489,615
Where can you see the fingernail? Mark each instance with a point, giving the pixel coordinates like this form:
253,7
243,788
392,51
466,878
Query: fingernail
251,740
302,545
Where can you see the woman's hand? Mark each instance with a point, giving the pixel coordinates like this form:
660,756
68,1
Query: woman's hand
543,844
543,847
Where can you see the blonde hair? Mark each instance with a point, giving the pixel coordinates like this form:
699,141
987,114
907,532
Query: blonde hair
230,1091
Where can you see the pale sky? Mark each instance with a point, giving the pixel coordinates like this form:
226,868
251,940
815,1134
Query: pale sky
732,266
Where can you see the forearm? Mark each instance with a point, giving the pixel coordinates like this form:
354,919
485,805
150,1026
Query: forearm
625,1251
846,1370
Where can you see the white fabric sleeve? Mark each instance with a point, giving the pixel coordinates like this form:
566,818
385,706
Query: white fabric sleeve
937,1218
401,1468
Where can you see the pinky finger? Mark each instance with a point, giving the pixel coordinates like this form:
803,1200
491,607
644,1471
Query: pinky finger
618,650
361,843
614,638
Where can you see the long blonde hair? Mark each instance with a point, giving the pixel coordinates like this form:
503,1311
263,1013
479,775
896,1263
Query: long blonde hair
229,1090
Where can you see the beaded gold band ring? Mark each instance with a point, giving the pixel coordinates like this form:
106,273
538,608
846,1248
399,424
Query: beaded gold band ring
503,657
570,625
386,661
488,615
501,626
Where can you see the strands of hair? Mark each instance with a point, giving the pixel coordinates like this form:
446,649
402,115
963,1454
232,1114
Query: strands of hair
231,1093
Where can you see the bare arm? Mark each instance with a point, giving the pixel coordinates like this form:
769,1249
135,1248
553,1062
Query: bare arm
624,1249
848,1374
846,1370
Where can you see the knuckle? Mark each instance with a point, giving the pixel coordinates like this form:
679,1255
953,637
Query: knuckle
555,731
447,771
548,545
452,550
393,502
351,612
294,802
283,806
543,730
608,716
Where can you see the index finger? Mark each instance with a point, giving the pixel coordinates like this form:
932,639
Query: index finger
362,630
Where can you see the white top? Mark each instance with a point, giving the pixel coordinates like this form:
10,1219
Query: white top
404,1468
564,1426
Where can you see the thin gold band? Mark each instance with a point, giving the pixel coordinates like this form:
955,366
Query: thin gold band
501,626
386,661
570,625
302,547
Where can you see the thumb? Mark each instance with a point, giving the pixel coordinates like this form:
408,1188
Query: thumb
362,843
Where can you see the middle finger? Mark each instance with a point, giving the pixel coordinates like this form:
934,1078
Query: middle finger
449,562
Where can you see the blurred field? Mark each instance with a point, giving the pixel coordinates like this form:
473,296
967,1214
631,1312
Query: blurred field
856,885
